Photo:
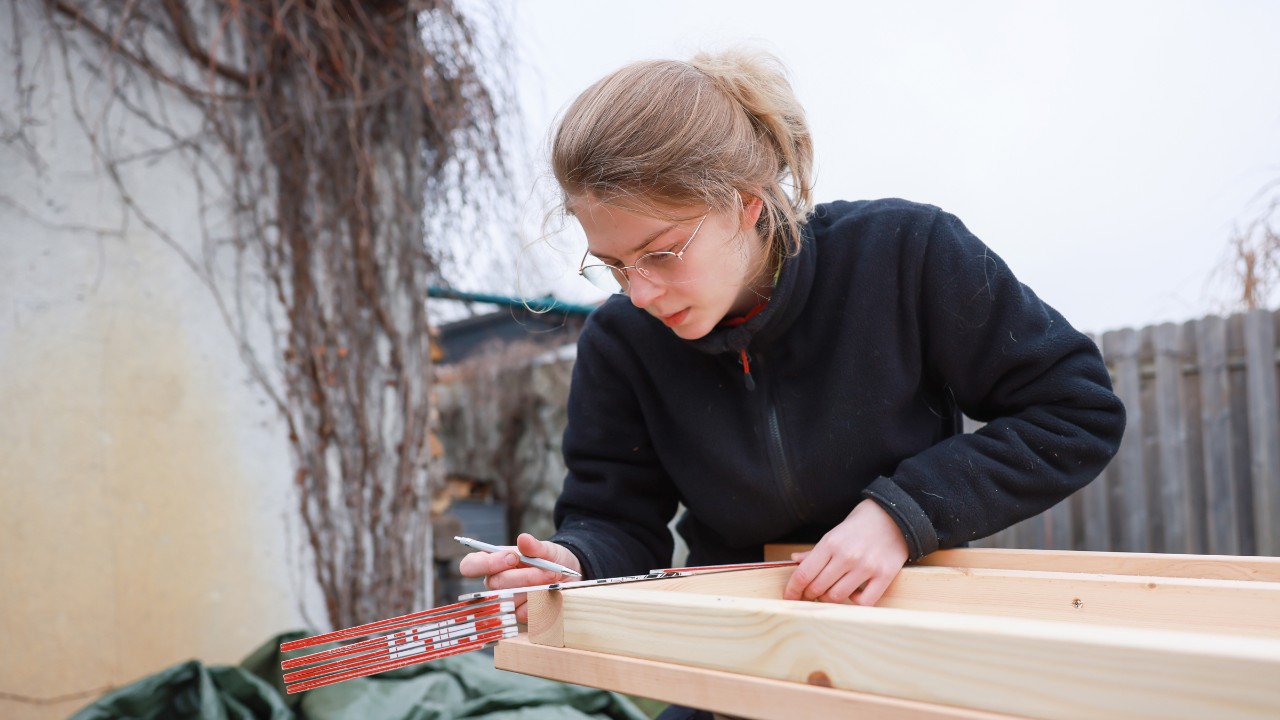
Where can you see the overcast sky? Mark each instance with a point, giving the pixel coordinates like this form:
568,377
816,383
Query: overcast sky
1105,150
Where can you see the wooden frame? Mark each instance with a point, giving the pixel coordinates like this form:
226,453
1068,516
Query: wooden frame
731,693
1208,567
953,639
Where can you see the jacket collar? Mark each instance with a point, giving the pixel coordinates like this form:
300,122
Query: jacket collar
785,303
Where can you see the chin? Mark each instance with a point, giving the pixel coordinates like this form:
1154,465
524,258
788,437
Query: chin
689,331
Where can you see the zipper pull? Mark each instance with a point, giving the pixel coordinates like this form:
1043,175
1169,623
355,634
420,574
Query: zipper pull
745,361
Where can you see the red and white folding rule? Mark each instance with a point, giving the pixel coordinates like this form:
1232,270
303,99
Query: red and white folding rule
479,619
398,642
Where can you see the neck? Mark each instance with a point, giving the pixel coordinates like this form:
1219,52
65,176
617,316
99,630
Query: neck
750,297
758,290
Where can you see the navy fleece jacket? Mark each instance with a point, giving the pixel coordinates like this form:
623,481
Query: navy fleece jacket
891,321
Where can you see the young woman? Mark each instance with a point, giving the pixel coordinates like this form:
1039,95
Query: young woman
790,373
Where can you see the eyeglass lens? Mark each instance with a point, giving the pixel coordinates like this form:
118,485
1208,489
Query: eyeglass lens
664,267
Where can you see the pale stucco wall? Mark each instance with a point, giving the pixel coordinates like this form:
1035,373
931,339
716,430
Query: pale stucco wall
145,507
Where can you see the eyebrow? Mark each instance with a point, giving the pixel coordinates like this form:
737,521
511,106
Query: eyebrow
645,242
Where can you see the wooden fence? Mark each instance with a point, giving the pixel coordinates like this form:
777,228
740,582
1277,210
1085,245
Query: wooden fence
1199,466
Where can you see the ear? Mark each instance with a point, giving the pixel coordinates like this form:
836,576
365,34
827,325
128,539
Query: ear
752,206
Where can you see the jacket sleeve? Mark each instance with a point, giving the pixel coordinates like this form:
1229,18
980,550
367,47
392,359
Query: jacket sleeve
617,501
1013,362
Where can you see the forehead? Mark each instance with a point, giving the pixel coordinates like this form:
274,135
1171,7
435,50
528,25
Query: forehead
615,231
632,208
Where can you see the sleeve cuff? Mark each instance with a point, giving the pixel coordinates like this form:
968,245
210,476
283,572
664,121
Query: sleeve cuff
587,574
916,527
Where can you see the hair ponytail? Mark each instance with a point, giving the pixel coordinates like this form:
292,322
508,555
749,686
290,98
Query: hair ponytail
708,131
758,83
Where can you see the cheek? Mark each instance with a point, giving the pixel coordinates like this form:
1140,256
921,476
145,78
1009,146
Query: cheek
737,264
728,269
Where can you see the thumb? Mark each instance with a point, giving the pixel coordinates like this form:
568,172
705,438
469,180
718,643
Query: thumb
531,546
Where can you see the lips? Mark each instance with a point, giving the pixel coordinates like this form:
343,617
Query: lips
674,319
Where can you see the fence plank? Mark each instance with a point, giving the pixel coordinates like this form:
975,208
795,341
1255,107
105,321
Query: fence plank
1037,530
1194,449
1215,409
1095,504
1058,525
1154,535
1096,510
1077,520
1134,520
1264,429
1241,471
1175,495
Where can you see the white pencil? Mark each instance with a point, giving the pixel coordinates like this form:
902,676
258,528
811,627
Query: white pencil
536,562
653,575
508,592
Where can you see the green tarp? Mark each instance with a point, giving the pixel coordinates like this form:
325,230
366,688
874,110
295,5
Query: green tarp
463,686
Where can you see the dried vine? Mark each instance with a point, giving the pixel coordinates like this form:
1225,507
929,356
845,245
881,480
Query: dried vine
333,135
1251,267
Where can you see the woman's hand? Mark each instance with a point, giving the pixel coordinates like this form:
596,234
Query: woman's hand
854,562
502,570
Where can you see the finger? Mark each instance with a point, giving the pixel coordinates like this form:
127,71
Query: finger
831,574
875,589
531,546
523,576
798,556
479,564
846,587
804,575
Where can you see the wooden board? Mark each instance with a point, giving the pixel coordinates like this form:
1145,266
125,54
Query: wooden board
715,690
1209,567
1248,609
997,664
1240,608
1077,635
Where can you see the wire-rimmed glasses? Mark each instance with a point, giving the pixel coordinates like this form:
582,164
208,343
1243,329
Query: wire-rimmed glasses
666,267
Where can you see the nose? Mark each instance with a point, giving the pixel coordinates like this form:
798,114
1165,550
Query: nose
643,290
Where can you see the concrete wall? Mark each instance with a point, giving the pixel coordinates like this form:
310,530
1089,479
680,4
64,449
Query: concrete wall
145,506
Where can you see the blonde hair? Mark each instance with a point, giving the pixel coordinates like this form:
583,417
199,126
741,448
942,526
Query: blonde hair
707,132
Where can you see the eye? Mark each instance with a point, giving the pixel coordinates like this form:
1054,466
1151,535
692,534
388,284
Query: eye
655,261
596,259
665,252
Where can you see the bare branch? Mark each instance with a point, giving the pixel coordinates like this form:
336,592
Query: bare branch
181,19
352,122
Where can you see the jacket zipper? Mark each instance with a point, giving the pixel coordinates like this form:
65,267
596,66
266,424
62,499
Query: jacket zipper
745,361
777,456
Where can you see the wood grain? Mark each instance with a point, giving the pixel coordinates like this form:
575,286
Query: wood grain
1247,608
998,664
715,690
546,626
1209,567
